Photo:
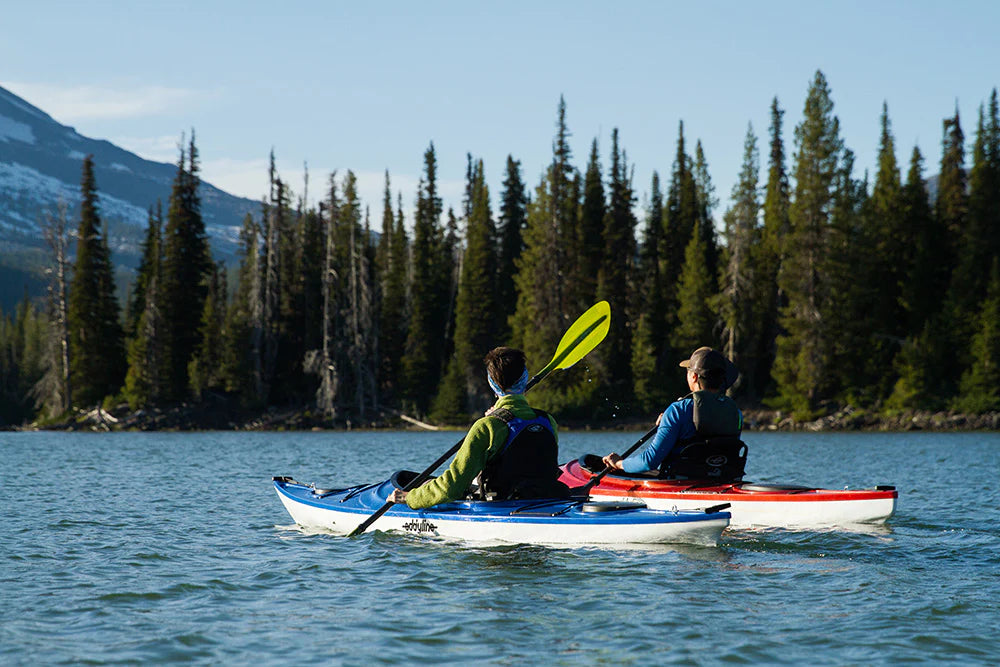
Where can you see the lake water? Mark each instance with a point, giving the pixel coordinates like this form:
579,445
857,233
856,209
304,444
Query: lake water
173,547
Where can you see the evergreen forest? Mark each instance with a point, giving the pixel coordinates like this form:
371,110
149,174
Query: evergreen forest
828,284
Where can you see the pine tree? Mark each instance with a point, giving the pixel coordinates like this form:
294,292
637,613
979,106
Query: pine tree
147,362
886,234
681,220
696,289
917,387
152,248
147,371
476,315
542,313
392,270
981,235
205,367
429,301
650,346
980,385
740,288
705,203
851,294
22,361
777,201
925,246
510,230
97,357
589,242
952,328
565,185
187,264
803,353
449,265
977,243
288,326
952,203
615,276
238,350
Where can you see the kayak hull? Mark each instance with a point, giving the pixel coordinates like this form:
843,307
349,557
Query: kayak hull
751,505
546,521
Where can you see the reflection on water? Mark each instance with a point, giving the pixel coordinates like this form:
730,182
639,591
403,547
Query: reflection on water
857,528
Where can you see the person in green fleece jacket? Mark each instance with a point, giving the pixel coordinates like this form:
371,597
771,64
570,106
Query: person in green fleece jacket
512,452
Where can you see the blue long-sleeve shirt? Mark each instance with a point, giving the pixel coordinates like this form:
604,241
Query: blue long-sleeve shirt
676,424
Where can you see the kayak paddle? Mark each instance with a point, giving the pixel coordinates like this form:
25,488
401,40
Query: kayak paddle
585,489
582,337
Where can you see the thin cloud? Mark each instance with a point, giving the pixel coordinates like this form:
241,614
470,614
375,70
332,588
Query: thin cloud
243,178
77,103
248,178
165,148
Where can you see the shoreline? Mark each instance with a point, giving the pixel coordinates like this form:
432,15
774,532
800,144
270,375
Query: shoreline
220,414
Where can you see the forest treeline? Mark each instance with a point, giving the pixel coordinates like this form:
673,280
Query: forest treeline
826,288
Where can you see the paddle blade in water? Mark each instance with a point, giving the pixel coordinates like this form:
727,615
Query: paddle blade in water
585,334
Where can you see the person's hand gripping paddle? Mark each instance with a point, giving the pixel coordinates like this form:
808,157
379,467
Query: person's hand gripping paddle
585,334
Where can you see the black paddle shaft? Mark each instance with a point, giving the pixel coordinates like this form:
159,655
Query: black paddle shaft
595,480
413,483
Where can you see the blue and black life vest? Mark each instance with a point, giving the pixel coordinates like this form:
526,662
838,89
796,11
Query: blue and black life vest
716,451
527,466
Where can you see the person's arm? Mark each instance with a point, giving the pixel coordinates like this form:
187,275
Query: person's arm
468,462
676,423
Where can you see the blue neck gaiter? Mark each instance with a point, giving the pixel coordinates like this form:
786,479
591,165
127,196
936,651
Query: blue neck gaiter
516,388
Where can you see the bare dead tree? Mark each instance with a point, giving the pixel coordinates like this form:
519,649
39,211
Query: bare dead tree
326,395
357,348
371,296
271,287
54,390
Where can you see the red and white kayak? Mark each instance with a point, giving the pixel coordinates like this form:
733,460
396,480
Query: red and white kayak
752,505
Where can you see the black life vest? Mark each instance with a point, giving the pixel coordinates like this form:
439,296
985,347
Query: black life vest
527,466
716,451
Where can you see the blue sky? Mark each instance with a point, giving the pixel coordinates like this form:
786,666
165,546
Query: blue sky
367,86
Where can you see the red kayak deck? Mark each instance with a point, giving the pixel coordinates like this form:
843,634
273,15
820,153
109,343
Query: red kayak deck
753,505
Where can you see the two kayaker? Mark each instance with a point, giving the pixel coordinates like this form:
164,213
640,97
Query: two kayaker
512,452
705,412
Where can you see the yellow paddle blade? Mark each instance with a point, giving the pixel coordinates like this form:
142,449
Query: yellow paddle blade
585,334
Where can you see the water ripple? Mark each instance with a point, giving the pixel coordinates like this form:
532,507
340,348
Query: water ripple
189,557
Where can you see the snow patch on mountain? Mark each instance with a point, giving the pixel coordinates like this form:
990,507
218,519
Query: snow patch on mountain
11,129
40,169
32,195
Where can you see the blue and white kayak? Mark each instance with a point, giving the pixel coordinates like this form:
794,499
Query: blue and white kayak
542,521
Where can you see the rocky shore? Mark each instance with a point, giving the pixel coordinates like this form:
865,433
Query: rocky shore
849,419
220,413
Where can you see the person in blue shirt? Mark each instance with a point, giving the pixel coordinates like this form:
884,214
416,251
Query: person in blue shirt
705,412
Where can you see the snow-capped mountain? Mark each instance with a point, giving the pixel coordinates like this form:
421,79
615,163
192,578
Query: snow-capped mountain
40,165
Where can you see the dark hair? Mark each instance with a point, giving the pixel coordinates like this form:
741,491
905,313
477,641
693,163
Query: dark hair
713,379
505,365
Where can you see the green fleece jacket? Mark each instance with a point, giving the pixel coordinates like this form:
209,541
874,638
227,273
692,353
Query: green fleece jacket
484,440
